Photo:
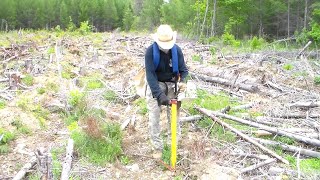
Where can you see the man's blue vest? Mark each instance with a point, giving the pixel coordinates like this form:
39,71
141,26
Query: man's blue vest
174,53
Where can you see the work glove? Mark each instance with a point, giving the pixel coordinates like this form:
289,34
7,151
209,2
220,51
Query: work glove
182,87
163,100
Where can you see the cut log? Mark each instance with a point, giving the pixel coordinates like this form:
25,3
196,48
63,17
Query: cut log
226,82
23,171
66,167
274,130
253,167
290,148
305,104
244,136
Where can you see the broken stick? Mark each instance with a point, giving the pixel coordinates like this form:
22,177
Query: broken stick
67,162
253,167
244,136
23,171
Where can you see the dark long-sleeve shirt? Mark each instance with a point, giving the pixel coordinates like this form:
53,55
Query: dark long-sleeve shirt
164,72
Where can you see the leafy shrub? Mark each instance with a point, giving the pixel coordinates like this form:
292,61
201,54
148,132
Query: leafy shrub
7,136
229,39
316,80
212,50
76,97
94,84
256,43
288,67
2,104
41,90
142,104
85,28
110,96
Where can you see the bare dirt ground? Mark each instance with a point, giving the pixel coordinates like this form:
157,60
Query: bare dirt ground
117,58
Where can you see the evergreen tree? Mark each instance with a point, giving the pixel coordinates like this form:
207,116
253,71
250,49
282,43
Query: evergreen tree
128,18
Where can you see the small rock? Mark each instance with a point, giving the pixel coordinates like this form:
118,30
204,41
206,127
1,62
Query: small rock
275,171
134,167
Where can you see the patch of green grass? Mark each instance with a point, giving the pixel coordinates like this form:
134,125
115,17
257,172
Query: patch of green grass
125,160
94,84
285,140
67,70
99,150
4,148
210,101
34,176
52,87
57,166
300,74
22,128
110,96
41,114
41,90
51,50
196,58
142,104
310,165
24,103
2,104
166,154
220,133
28,80
287,67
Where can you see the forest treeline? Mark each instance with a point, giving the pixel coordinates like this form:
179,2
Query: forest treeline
201,18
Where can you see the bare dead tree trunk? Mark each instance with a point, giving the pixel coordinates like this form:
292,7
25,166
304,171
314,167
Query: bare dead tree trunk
288,33
205,17
260,20
198,20
305,14
213,23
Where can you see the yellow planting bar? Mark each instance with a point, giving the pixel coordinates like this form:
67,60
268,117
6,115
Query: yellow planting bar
174,115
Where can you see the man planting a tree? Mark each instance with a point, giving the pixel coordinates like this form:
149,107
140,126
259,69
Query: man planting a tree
166,73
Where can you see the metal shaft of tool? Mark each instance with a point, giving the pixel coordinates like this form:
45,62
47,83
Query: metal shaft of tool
174,115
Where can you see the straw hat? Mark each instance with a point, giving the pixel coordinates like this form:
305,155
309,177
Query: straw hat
165,37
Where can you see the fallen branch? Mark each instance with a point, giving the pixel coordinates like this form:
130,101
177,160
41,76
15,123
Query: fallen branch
306,140
290,148
23,171
305,104
190,118
291,115
244,136
253,167
226,82
67,162
304,48
274,86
